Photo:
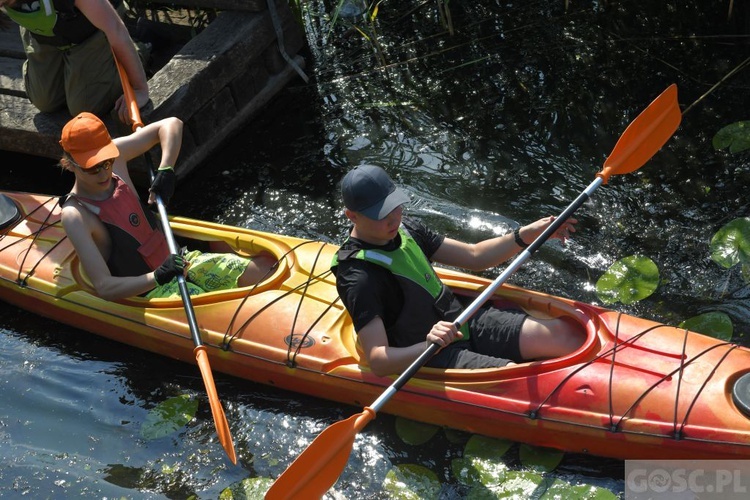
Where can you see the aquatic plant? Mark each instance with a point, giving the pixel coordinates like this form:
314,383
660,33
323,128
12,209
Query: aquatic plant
730,246
735,137
713,323
628,280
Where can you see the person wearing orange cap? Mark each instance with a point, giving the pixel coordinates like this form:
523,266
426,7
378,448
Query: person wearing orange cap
69,46
118,240
399,305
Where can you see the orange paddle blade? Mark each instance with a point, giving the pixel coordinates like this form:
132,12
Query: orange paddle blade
220,420
645,135
317,468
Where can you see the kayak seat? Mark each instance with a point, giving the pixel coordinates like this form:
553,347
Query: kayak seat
9,213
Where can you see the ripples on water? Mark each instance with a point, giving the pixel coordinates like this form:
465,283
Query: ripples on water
503,122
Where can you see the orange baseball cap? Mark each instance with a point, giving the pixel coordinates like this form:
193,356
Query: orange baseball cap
87,140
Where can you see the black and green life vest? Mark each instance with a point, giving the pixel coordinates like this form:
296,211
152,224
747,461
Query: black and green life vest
426,299
54,22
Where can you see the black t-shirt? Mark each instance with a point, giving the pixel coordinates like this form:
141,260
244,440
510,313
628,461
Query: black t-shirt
369,290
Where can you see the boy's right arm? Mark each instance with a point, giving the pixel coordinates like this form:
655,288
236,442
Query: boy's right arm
386,360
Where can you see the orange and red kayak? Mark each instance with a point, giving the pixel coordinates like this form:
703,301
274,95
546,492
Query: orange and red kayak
635,389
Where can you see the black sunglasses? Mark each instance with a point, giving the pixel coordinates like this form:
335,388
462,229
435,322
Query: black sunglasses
104,165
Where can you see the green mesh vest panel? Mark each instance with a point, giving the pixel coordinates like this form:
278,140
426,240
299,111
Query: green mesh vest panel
41,22
426,299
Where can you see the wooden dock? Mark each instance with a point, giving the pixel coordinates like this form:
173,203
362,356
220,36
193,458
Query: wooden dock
216,82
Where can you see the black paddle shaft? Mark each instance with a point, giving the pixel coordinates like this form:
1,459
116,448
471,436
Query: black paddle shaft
173,249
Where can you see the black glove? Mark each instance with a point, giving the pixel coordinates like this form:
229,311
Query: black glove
163,184
174,265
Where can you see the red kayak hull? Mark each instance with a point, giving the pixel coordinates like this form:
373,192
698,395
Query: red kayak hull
636,389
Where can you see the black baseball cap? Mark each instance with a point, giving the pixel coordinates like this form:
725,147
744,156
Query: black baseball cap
368,190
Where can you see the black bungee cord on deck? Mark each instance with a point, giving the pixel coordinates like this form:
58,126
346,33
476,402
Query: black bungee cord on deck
678,429
229,337
22,281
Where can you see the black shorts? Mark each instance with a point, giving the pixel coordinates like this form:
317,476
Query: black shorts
494,341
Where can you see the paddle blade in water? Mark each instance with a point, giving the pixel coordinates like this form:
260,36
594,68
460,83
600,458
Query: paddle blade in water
220,420
645,135
319,466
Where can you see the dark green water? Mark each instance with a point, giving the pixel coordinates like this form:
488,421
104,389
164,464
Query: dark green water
505,121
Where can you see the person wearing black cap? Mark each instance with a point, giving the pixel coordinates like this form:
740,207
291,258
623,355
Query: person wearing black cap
398,304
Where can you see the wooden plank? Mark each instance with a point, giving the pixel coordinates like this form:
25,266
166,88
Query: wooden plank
235,123
208,63
24,129
248,84
212,116
11,77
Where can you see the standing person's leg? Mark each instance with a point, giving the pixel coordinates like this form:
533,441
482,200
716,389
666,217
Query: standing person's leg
91,80
43,74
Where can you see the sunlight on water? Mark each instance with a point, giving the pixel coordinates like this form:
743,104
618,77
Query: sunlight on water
477,223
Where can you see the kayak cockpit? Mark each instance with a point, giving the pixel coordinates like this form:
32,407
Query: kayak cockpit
539,307
242,242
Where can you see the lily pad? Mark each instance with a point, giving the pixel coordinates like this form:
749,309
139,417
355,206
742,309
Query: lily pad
563,490
169,416
517,484
628,280
455,436
731,244
413,432
714,324
520,484
411,482
486,447
735,136
540,459
248,489
482,463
